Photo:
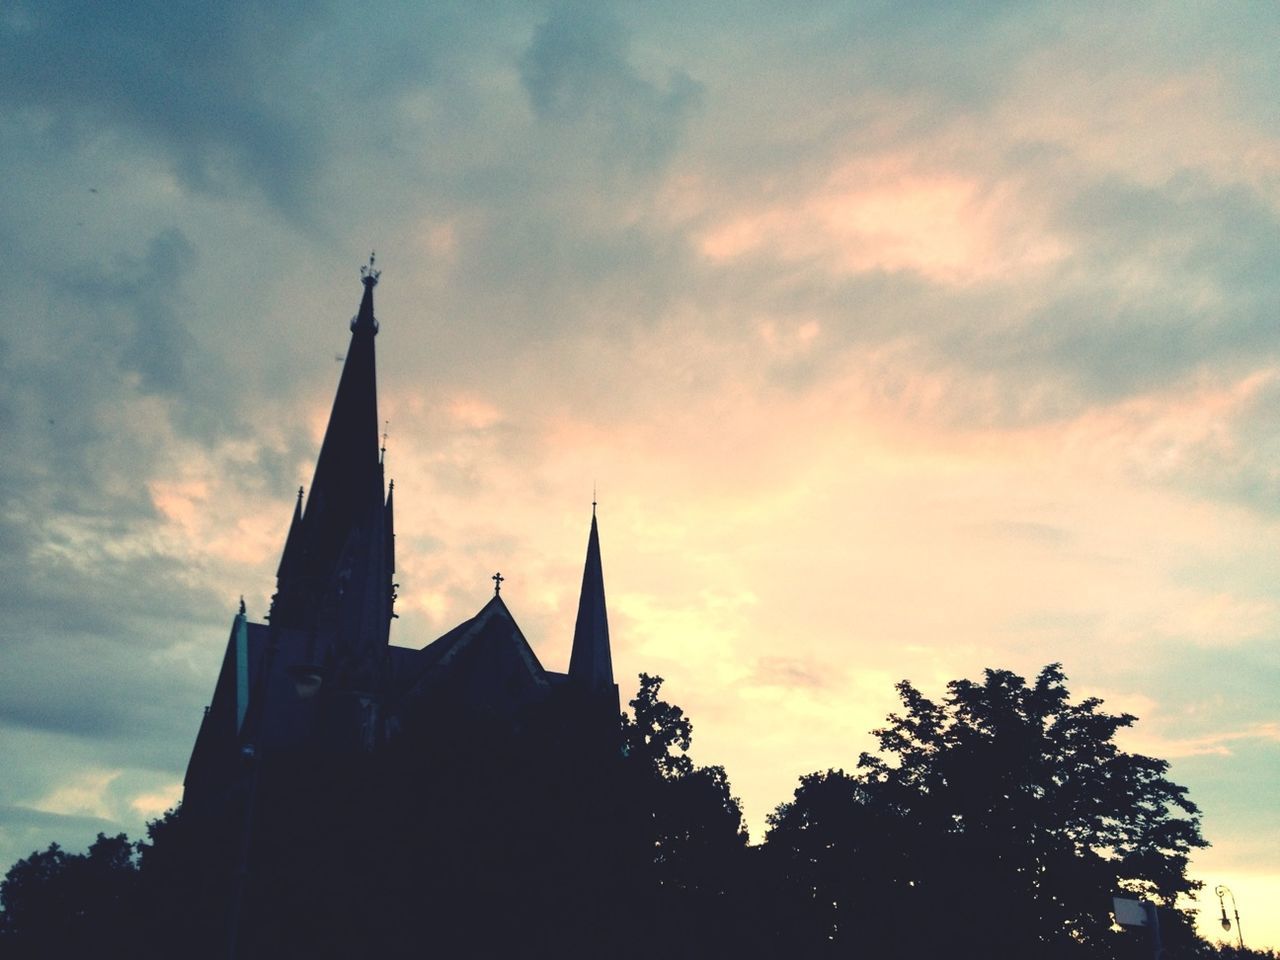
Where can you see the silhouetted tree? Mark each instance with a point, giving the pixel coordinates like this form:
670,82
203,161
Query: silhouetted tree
690,823
996,823
658,736
58,904
182,888
1225,951
831,869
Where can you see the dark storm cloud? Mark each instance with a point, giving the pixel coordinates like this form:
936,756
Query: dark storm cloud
110,694
139,318
578,74
195,80
59,453
115,333
546,240
90,594
152,341
64,574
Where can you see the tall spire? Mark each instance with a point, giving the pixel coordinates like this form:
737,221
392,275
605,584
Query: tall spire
590,663
346,496
348,472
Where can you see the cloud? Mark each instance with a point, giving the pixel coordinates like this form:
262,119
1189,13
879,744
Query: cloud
23,818
85,796
885,214
193,81
157,802
787,672
1219,744
152,341
579,77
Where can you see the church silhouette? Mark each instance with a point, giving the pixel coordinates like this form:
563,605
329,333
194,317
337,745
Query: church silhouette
340,786
322,665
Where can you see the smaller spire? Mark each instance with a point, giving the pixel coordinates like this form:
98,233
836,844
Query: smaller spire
497,579
590,659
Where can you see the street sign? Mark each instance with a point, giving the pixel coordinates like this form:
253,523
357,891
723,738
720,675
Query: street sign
1130,913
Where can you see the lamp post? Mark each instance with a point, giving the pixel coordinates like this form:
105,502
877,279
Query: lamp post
1222,890
1139,913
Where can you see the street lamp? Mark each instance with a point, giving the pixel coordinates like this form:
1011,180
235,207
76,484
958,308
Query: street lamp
307,679
1222,890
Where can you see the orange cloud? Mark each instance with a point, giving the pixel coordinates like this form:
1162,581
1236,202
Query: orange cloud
888,214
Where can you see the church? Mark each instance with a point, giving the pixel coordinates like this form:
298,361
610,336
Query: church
347,797
320,674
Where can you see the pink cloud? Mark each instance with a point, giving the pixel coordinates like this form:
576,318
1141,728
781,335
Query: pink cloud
889,213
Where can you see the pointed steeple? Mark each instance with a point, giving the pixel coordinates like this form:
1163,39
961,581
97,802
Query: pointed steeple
590,663
346,501
349,471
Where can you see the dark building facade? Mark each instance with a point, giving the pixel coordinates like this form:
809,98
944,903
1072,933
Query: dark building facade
315,704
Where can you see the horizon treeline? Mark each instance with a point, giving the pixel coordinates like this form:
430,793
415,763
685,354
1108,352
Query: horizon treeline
996,822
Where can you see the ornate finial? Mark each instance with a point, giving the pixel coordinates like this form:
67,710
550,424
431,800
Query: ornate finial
242,604
368,275
497,579
593,499
299,494
392,485
382,453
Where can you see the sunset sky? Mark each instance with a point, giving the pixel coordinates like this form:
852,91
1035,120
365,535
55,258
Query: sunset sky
899,340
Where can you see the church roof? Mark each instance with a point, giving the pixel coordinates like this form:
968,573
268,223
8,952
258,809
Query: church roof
219,734
492,636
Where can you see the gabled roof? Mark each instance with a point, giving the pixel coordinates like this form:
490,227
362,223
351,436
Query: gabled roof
493,627
217,742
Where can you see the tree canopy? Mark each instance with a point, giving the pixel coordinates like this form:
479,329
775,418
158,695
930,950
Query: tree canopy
996,822
59,904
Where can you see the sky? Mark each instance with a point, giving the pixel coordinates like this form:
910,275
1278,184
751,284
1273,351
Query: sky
897,340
